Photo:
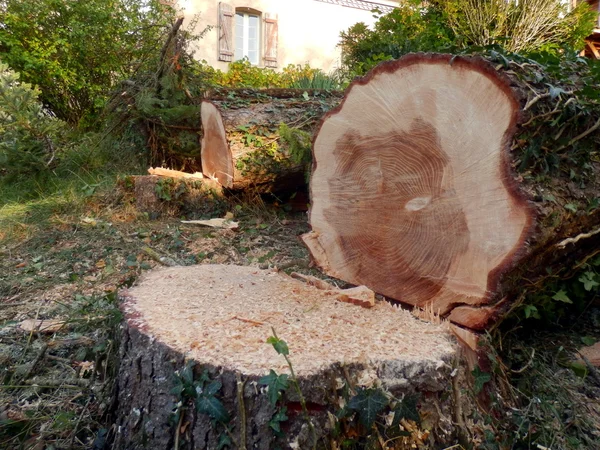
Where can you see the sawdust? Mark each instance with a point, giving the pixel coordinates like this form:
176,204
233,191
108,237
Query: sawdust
223,315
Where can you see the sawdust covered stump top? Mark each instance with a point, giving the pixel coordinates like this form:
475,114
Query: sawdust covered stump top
222,316
411,190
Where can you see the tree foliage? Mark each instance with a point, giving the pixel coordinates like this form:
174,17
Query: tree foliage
28,134
519,26
75,51
524,26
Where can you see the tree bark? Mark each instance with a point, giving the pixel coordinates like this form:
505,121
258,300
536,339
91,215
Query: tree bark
219,317
242,147
413,192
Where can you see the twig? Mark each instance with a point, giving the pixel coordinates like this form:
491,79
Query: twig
563,243
242,408
524,368
581,136
253,322
164,260
35,362
79,421
176,444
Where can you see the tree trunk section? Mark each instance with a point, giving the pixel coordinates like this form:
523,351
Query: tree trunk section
242,147
413,193
220,317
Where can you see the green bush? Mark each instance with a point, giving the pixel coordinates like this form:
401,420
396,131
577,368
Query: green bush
412,27
75,51
526,26
242,74
30,137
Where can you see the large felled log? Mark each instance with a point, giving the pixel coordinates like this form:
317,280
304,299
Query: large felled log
413,194
242,145
220,317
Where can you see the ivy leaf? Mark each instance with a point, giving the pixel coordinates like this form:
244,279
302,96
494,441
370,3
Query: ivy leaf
279,345
213,388
224,441
588,340
480,379
589,280
368,403
555,91
562,296
187,373
275,384
275,422
212,407
406,409
531,311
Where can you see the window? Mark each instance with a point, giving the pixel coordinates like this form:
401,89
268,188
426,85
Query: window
247,36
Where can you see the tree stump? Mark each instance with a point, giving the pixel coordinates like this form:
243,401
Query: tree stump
242,144
220,317
413,194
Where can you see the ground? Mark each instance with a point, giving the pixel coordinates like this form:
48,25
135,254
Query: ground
58,374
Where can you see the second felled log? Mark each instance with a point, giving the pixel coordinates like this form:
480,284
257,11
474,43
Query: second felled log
413,195
244,145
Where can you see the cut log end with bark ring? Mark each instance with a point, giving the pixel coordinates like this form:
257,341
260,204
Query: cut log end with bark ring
411,190
221,317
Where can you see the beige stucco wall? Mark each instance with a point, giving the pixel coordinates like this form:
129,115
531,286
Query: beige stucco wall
308,30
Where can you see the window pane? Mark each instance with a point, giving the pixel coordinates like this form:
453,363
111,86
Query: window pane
253,38
239,36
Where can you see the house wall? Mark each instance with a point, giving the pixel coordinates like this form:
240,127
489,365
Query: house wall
308,30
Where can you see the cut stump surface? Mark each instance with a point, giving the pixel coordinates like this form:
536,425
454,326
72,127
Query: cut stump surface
221,316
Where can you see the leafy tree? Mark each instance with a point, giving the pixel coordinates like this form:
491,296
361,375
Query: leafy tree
28,134
75,51
525,26
519,26
413,26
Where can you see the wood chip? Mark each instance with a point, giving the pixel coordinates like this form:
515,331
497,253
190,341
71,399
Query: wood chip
360,295
43,326
215,223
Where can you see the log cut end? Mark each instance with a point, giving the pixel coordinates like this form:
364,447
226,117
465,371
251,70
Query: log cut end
411,190
217,162
222,316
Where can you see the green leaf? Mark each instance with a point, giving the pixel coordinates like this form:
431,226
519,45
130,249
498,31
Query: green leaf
589,280
279,345
213,388
562,296
480,379
212,407
187,373
588,340
571,207
368,404
224,441
275,422
531,311
305,96
407,409
275,384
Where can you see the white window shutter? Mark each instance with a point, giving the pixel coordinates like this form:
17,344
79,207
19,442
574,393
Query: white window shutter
226,46
271,40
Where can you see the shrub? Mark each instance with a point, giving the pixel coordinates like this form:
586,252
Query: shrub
526,26
29,135
519,26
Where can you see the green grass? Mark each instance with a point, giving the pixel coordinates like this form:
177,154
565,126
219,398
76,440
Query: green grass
88,168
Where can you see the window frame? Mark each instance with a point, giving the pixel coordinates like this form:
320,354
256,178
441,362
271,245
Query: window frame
246,13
